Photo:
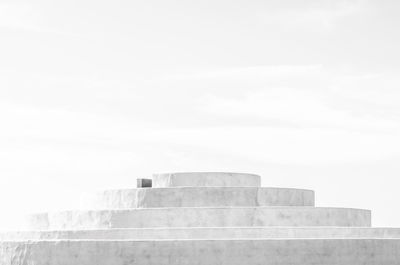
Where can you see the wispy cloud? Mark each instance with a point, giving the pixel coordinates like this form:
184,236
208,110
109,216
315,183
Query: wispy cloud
23,16
262,71
313,16
18,16
296,95
298,108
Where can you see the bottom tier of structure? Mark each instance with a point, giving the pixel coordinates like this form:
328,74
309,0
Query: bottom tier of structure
205,252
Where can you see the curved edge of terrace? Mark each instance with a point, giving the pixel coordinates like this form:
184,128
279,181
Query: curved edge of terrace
201,217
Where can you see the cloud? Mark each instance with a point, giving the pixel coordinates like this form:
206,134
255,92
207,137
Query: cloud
314,16
239,81
282,109
263,71
297,108
18,16
54,137
22,16
295,96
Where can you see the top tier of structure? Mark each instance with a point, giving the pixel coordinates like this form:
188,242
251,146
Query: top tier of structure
206,179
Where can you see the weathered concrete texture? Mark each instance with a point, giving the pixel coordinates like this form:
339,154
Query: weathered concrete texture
198,197
201,217
205,252
205,233
206,179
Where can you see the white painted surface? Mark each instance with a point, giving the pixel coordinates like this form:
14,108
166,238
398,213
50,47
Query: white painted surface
204,252
201,217
198,197
206,179
206,233
250,226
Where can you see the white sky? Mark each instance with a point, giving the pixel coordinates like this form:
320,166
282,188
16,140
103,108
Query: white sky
96,93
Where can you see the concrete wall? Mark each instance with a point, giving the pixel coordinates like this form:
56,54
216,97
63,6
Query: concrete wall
201,217
206,179
198,197
207,233
204,252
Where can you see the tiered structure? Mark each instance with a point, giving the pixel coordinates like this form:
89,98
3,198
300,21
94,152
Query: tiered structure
202,218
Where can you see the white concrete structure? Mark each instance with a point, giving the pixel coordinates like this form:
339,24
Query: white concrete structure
201,218
205,179
199,197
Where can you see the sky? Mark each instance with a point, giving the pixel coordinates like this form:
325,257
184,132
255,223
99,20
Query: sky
94,94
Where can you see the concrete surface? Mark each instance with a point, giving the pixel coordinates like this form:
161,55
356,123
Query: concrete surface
204,252
205,233
198,197
201,217
206,179
207,218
